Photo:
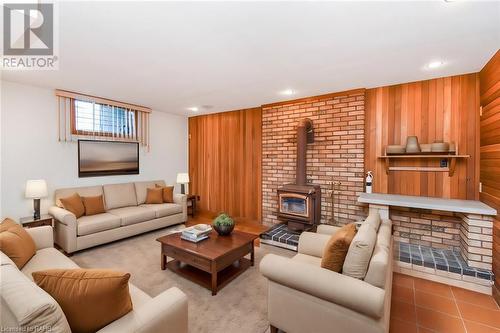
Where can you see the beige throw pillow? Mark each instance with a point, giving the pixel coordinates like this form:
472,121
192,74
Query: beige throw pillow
360,252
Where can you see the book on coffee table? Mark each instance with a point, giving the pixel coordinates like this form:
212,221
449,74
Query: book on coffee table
194,240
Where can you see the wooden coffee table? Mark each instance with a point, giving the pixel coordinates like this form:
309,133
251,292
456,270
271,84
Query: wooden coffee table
212,263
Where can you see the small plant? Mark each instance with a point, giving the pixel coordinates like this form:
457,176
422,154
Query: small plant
223,220
223,224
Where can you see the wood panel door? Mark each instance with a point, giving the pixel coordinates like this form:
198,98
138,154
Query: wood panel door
225,154
439,109
490,153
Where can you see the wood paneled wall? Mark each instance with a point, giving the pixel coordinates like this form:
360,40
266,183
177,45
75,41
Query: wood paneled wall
490,153
225,153
438,109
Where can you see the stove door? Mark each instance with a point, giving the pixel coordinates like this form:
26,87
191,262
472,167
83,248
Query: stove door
294,204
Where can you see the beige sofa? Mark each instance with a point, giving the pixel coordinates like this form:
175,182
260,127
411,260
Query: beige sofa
303,297
27,308
126,215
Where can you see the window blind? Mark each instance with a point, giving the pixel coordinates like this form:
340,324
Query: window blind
84,116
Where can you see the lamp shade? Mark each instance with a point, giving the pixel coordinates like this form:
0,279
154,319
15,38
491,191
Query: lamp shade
182,178
36,189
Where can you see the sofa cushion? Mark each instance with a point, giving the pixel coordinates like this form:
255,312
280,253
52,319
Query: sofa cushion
16,243
29,307
379,262
94,205
336,249
91,224
87,191
360,252
132,215
90,298
141,189
119,195
374,220
154,196
164,209
47,259
74,204
385,233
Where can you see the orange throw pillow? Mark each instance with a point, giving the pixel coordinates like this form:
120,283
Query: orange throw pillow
74,204
93,205
90,298
336,249
154,196
16,243
168,193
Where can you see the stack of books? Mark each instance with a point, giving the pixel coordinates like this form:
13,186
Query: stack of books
196,233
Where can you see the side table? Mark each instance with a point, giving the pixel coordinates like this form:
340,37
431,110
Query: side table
192,198
30,222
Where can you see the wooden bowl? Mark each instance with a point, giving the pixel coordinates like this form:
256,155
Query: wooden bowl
440,147
425,147
395,149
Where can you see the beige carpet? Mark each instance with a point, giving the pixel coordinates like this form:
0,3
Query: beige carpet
241,306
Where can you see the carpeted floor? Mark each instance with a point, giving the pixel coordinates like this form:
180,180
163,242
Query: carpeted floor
241,306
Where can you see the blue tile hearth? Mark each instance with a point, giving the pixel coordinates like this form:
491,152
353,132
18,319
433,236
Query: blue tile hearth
280,235
441,259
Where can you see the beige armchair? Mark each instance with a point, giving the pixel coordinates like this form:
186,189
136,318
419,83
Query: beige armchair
304,297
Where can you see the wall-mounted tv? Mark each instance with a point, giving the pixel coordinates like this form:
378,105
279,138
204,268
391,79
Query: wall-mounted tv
106,158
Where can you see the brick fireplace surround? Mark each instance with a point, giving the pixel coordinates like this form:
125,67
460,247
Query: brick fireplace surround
337,153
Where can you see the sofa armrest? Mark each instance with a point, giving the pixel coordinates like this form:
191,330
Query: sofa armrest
66,228
327,229
42,236
312,244
167,312
331,286
64,216
181,199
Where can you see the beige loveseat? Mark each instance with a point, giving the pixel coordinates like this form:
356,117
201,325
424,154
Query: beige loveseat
303,297
27,308
126,215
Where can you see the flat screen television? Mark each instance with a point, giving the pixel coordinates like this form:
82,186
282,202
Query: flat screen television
106,158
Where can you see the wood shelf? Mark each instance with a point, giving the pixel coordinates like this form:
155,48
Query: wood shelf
452,161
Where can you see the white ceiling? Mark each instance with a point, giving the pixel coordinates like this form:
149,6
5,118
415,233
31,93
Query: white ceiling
232,55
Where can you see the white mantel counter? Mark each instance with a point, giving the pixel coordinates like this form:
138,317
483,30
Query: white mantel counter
447,205
475,230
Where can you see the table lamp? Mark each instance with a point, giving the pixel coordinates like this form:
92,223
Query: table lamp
183,178
36,189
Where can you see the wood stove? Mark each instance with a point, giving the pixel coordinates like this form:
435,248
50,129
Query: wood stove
299,204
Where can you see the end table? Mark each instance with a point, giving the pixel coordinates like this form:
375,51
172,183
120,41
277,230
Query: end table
30,222
192,198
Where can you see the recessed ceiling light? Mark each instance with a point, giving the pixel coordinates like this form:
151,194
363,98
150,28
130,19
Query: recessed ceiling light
193,108
288,92
435,64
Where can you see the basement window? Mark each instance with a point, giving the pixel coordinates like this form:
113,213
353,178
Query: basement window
96,119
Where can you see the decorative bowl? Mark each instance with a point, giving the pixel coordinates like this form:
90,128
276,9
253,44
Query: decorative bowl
224,230
395,149
426,147
440,147
223,224
412,145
